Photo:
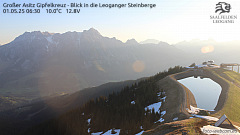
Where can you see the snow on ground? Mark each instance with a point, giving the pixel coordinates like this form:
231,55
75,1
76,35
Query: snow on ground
164,98
199,66
159,94
139,133
189,67
98,133
217,130
109,132
175,118
133,102
89,120
195,110
214,66
160,120
206,117
156,107
116,130
163,113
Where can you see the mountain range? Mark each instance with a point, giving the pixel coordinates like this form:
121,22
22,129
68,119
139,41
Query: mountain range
39,64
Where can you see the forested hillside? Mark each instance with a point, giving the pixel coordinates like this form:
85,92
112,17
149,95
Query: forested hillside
125,110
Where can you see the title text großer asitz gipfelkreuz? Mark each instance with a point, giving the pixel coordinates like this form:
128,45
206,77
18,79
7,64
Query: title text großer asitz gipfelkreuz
33,5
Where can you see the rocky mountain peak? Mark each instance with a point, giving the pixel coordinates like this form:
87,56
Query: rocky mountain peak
91,31
131,41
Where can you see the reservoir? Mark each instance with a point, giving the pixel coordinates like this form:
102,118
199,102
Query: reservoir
205,91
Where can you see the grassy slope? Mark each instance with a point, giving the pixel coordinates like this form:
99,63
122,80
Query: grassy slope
175,100
188,126
232,105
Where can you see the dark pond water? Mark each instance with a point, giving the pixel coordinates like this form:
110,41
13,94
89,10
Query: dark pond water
205,91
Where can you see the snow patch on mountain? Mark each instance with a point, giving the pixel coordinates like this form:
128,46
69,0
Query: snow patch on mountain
155,106
160,120
50,40
89,120
133,102
139,133
109,132
163,113
175,118
164,98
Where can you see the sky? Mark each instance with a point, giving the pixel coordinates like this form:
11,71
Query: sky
171,21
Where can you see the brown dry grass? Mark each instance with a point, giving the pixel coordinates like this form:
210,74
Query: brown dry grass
187,127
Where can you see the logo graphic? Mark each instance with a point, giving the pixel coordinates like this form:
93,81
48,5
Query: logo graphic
223,7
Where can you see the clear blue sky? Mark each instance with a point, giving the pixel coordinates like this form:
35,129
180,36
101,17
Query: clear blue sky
171,21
